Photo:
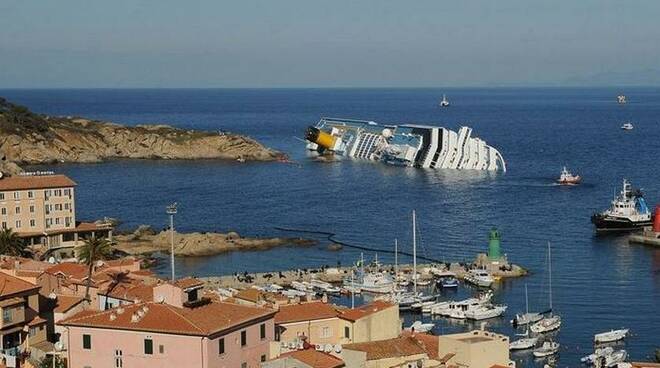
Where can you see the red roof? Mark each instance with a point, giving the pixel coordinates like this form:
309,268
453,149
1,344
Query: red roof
392,348
10,285
71,270
66,302
35,182
315,359
365,310
188,282
159,317
310,311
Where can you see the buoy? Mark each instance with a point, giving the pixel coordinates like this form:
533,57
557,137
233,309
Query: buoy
656,219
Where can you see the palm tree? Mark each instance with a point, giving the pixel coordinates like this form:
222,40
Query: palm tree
10,243
94,249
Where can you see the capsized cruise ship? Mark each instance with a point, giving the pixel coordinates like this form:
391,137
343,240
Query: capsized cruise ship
412,145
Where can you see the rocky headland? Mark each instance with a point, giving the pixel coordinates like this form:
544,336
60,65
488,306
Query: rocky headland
145,241
31,138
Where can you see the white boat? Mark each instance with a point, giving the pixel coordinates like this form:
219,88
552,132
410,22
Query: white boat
446,308
621,99
548,348
523,343
628,212
615,358
610,336
479,278
627,126
444,102
373,282
567,178
523,319
600,352
299,286
485,312
292,293
418,326
552,322
323,286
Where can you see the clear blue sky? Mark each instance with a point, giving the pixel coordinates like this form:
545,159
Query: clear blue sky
308,43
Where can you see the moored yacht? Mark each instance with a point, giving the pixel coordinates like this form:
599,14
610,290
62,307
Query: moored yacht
628,212
479,278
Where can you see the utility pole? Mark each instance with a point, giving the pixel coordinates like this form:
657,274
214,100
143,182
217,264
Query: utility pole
171,210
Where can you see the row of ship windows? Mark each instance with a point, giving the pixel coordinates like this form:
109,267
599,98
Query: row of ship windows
49,222
49,208
47,193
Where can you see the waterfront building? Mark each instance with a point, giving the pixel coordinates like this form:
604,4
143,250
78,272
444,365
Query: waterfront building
404,351
475,349
370,322
21,327
306,358
41,209
315,322
177,329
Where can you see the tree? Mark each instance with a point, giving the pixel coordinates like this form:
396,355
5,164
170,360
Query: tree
11,244
94,249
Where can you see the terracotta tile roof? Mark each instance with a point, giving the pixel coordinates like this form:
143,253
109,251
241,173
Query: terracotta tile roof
430,343
36,321
392,348
75,271
64,303
251,295
305,312
35,182
130,292
23,264
188,282
80,227
205,320
315,359
645,365
122,262
10,285
365,310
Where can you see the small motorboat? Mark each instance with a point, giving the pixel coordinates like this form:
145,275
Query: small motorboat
610,336
418,326
598,353
444,102
567,178
523,343
548,348
615,358
621,99
627,126
485,312
447,282
479,278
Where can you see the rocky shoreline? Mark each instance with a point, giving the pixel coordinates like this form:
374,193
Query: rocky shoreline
30,138
146,241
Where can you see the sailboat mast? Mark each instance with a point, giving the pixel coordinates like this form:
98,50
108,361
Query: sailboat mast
550,275
352,289
396,258
414,230
526,301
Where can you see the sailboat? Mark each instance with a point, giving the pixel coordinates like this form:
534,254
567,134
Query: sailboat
525,342
444,102
417,299
527,317
552,322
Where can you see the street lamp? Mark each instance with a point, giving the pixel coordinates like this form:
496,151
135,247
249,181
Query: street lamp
171,210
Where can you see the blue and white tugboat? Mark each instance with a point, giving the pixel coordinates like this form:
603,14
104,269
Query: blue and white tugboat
628,212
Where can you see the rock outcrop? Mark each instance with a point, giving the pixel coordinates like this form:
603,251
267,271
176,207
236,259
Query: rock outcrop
30,138
144,241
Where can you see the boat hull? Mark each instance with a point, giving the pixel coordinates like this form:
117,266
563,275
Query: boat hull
610,224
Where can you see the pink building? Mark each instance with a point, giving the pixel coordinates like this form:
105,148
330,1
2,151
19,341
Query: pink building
178,329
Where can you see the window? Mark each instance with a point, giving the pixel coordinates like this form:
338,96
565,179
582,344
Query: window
6,315
18,224
18,210
57,220
66,206
67,192
119,363
4,224
4,211
263,331
263,358
17,195
244,365
30,194
2,196
31,209
243,338
221,346
325,332
161,349
148,346
33,223
347,332
87,342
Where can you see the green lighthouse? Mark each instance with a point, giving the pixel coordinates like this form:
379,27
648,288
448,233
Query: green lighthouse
494,253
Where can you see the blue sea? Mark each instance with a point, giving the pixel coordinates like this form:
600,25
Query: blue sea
599,282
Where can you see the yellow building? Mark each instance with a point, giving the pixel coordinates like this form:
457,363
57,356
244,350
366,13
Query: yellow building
314,322
475,349
400,352
41,209
21,327
374,321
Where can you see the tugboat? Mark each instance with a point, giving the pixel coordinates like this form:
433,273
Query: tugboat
444,102
566,178
628,212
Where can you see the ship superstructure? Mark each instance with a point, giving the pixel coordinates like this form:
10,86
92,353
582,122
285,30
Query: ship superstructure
411,145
